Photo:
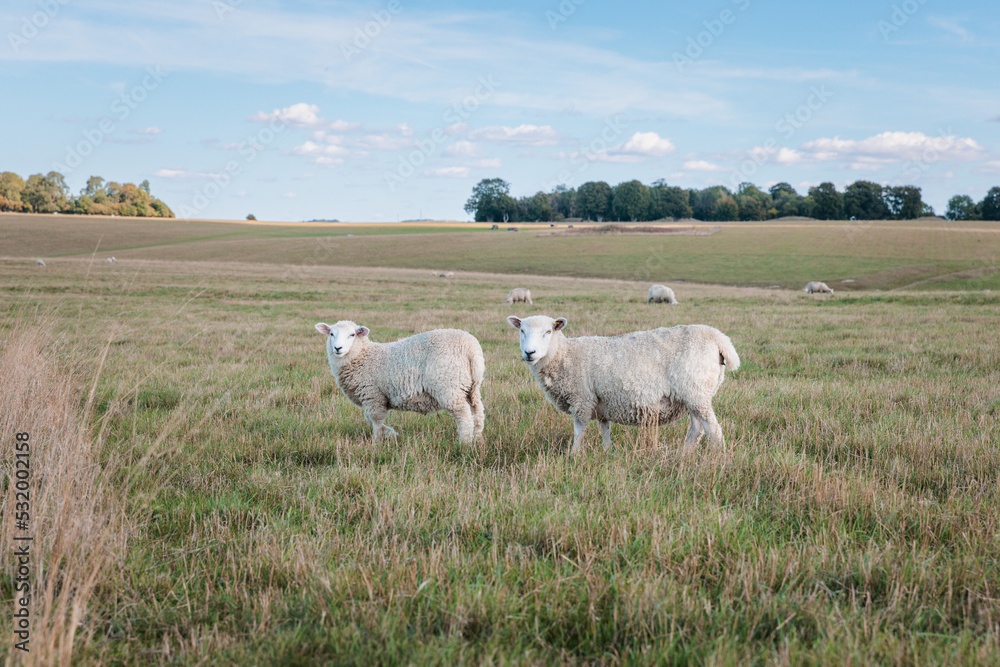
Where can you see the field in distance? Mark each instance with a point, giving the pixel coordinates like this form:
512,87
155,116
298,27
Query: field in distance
851,518
920,254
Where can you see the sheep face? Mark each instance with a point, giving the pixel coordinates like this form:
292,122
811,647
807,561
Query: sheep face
536,335
341,337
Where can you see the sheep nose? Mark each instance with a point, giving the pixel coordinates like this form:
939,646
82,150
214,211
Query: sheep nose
529,355
336,349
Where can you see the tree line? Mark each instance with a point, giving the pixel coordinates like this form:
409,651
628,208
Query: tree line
49,194
633,201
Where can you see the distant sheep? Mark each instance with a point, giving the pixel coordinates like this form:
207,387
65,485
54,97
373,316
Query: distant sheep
39,262
630,379
817,287
660,294
446,274
519,295
430,371
111,260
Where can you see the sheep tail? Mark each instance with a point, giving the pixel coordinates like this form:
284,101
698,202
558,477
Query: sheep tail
477,367
727,351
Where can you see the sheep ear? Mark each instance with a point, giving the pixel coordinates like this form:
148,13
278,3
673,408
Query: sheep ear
514,321
363,331
559,324
323,328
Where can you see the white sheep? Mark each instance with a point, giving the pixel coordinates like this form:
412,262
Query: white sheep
430,371
660,294
446,274
636,378
519,294
817,286
111,260
39,262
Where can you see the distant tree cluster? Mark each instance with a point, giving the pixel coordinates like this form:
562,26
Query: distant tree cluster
633,201
50,194
963,207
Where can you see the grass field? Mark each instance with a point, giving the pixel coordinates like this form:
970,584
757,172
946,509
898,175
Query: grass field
882,255
241,514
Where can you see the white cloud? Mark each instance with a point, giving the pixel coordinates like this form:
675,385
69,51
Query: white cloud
305,116
889,147
148,130
788,156
701,165
488,163
173,173
289,195
951,27
991,167
386,142
528,135
463,148
449,172
647,144
326,154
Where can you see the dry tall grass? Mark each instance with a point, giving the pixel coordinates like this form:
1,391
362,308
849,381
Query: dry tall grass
76,526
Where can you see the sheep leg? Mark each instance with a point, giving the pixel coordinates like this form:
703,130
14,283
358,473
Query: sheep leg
375,415
708,425
694,432
462,412
606,435
478,417
579,427
713,429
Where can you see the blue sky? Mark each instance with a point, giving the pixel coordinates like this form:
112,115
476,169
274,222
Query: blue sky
392,110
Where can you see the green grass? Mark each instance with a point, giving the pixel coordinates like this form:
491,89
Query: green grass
852,516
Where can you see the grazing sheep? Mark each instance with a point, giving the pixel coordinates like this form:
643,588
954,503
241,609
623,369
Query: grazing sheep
430,371
446,274
660,294
519,295
816,286
636,378
39,262
111,260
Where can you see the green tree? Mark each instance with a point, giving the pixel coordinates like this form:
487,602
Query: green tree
752,203
95,186
828,204
989,208
11,189
962,207
562,200
161,209
630,200
779,190
785,201
538,208
43,194
594,200
715,204
487,202
864,200
903,201
666,201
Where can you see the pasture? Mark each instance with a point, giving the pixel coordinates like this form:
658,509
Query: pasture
239,512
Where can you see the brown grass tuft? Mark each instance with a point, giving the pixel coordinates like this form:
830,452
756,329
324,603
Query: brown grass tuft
75,524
